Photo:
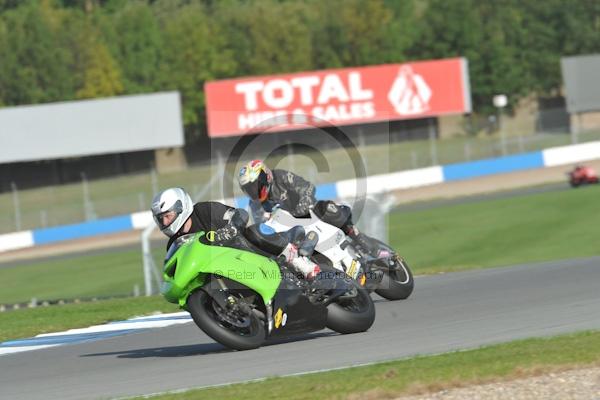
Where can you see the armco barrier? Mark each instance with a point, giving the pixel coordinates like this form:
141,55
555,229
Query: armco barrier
16,240
82,230
375,184
491,166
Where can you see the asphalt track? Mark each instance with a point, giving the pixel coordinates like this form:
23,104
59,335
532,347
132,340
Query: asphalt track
446,312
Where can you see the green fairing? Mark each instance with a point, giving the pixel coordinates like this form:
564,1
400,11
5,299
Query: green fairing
195,260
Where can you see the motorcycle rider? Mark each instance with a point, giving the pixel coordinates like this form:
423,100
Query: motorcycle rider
292,193
176,215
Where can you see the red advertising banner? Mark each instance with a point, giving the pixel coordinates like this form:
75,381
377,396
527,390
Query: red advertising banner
337,97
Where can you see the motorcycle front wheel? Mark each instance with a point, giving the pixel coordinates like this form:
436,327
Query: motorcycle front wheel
233,330
397,282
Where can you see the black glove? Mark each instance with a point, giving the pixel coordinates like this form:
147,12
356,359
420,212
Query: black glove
239,219
269,206
303,206
225,234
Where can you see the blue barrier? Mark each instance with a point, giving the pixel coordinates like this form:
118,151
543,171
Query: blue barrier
241,202
451,172
84,229
327,191
491,166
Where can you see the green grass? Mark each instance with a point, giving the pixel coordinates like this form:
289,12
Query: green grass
422,374
531,228
30,322
107,274
63,204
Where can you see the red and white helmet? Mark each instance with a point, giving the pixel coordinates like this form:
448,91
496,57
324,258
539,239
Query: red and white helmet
255,179
170,209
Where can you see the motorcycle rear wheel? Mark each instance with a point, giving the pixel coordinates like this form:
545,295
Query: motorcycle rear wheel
352,314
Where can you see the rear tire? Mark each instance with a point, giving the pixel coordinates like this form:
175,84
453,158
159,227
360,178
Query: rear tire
202,308
352,315
398,283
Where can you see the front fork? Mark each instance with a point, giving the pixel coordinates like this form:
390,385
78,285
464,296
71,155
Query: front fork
376,268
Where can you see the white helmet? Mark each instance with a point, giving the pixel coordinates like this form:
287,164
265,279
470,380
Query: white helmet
172,200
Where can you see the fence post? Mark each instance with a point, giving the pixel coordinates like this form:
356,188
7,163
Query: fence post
414,158
578,128
43,218
17,205
221,164
88,207
147,259
153,180
521,144
142,201
432,142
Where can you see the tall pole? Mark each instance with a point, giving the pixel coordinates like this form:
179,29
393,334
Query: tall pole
502,132
500,101
147,260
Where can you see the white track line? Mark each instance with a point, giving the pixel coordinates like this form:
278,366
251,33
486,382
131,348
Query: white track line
96,332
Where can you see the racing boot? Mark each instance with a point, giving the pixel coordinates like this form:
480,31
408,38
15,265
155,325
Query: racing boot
300,263
308,268
307,246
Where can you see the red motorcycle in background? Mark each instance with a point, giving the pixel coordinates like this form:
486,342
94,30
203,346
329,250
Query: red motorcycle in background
582,175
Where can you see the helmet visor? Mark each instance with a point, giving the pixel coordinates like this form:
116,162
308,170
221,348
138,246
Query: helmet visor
251,189
166,218
258,189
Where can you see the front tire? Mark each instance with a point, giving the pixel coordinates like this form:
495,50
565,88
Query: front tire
352,314
397,283
208,315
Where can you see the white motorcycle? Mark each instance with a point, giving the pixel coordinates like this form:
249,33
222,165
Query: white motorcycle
387,273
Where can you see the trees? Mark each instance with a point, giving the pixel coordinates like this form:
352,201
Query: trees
487,34
195,54
137,45
265,37
64,49
34,64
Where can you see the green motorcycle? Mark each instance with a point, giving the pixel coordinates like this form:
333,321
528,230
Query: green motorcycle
240,298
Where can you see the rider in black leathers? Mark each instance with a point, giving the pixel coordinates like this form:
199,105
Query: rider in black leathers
292,193
176,215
